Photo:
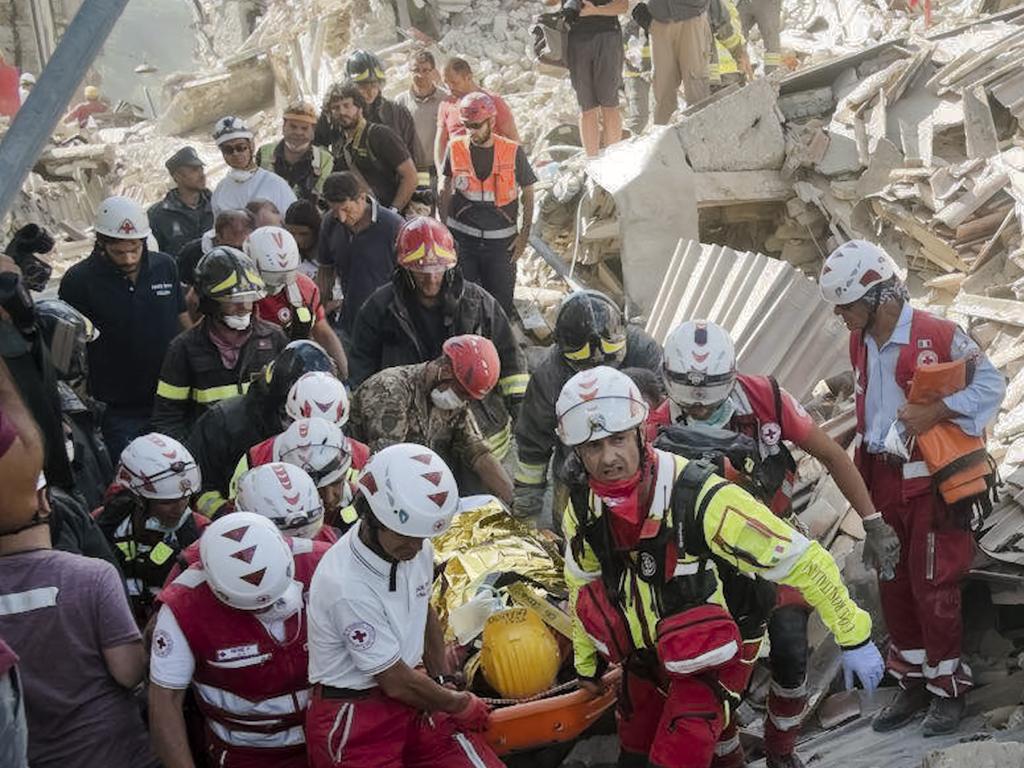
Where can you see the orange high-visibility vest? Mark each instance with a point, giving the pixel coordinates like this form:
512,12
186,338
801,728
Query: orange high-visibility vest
500,187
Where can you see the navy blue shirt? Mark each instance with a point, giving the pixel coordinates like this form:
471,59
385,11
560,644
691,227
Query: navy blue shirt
363,260
136,322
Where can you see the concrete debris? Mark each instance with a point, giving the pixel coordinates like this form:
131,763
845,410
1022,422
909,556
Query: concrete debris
978,755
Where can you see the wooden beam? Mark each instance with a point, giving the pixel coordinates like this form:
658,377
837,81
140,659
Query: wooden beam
957,212
979,127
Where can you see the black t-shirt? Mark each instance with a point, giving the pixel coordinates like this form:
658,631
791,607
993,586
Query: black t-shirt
484,215
585,26
376,154
429,325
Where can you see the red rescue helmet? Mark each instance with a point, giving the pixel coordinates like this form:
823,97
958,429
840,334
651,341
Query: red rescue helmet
474,362
476,107
425,245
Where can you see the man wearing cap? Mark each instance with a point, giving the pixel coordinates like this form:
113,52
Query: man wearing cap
185,212
294,158
245,180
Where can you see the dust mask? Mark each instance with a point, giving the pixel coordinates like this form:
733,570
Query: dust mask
241,175
297,147
719,418
286,606
446,399
238,322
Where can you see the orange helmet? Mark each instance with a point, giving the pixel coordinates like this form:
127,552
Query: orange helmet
425,245
474,362
476,107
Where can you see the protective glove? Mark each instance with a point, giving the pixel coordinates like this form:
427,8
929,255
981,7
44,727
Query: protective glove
28,241
881,548
527,500
474,716
864,662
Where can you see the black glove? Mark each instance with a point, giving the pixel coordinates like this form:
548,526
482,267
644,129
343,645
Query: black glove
571,10
26,243
17,302
642,16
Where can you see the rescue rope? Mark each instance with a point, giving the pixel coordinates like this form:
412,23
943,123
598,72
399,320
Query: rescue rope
544,695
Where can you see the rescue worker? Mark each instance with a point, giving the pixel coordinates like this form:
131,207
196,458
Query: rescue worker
889,342
590,330
26,83
364,70
292,300
705,389
376,646
486,179
372,150
233,628
636,76
285,494
767,15
428,403
93,105
219,356
427,302
295,158
147,516
729,58
641,528
185,213
680,52
245,180
67,333
224,433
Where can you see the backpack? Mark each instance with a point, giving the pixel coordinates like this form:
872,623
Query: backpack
551,39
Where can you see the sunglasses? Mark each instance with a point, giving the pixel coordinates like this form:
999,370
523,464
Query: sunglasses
473,126
234,149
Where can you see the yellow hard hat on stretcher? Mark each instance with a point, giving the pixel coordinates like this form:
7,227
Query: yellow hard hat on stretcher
519,656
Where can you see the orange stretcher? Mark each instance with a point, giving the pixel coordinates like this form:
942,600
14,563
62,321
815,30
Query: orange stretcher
557,719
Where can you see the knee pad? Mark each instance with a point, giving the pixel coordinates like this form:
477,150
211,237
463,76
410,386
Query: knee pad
787,631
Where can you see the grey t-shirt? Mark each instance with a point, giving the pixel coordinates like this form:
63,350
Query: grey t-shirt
58,611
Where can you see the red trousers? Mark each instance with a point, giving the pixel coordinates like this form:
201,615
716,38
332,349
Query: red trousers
379,732
222,755
921,605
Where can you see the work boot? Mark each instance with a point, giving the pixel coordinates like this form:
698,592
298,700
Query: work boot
901,710
792,760
944,715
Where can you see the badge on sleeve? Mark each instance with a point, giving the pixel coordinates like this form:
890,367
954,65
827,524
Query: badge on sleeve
162,644
360,636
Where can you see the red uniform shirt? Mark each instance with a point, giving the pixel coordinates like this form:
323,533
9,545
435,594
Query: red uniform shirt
278,310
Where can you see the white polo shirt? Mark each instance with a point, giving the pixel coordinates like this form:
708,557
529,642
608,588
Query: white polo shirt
357,627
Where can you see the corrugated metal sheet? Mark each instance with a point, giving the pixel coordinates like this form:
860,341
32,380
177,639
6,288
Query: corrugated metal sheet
774,313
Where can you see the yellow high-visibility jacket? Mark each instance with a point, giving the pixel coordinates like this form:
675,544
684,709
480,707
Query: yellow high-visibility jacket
739,530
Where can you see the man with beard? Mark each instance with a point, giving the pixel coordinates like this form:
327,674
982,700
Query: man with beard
486,178
294,158
371,150
423,100
245,181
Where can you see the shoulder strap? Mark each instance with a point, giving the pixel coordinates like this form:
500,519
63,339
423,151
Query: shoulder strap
687,515
777,397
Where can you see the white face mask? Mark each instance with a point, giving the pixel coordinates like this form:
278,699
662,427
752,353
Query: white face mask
721,416
240,175
154,524
446,399
297,147
238,322
285,606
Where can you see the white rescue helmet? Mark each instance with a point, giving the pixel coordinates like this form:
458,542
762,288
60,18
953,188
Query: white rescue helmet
318,394
276,255
231,127
283,494
316,446
596,403
247,562
410,490
121,218
852,269
700,363
158,467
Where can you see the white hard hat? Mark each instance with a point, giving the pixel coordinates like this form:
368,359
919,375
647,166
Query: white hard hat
700,363
156,466
410,490
316,446
248,563
231,127
283,494
275,253
121,218
318,394
596,403
27,77
852,269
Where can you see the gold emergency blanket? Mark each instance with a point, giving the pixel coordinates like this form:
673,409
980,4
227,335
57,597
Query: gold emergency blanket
484,540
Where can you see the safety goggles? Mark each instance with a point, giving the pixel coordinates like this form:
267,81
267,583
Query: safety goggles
608,347
696,388
594,420
234,149
297,521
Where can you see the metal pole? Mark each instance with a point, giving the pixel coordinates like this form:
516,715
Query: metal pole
34,122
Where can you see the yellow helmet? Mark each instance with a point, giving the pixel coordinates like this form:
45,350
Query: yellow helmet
92,92
519,657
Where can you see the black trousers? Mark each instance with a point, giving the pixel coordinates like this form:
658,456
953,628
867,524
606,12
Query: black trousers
486,263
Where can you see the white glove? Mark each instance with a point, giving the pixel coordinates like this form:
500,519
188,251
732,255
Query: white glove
866,663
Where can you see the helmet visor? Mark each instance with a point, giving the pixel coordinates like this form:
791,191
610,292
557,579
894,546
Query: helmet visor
597,350
696,388
594,419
